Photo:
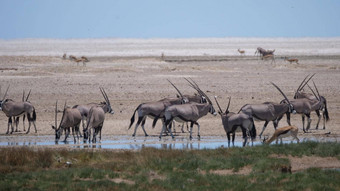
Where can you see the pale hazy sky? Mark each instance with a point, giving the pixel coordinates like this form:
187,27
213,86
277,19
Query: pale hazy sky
168,18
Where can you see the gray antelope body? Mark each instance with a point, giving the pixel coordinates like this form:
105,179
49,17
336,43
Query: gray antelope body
304,107
96,117
70,119
231,121
313,98
84,111
14,109
154,110
264,52
269,111
189,112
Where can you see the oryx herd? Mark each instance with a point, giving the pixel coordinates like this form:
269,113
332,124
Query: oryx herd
182,109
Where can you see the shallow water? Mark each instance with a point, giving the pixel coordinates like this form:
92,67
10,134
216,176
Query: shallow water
130,143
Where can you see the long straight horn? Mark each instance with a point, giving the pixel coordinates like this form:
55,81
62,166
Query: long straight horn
104,95
298,89
313,93
56,114
280,92
101,90
5,93
307,81
317,91
23,95
176,88
227,110
107,98
201,91
29,93
219,107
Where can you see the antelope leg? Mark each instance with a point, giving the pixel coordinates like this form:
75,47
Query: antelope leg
309,120
140,119
303,123
143,123
319,118
264,127
16,124
9,124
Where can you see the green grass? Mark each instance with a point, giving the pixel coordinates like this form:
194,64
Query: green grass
24,168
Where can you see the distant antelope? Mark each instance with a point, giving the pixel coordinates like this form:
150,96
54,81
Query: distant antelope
96,118
189,112
241,51
269,56
262,52
81,60
291,60
72,57
64,56
231,121
283,132
70,119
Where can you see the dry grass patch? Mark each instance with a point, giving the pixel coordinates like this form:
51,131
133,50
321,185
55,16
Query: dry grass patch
305,162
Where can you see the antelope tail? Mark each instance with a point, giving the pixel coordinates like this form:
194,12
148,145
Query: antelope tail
326,111
132,120
34,115
88,120
253,131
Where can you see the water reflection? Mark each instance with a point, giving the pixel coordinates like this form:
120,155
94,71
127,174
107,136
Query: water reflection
137,143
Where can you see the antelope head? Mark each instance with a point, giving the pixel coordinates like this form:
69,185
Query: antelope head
58,130
107,106
219,107
291,107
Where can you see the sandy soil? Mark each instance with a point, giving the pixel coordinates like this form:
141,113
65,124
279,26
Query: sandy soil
130,81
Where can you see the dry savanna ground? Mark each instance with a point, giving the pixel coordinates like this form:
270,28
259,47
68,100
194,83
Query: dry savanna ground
130,81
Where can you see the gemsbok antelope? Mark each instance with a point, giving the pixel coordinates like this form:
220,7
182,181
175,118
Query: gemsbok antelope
291,60
313,97
84,110
231,121
283,132
70,119
262,52
188,98
269,111
96,119
14,109
154,109
241,52
189,112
